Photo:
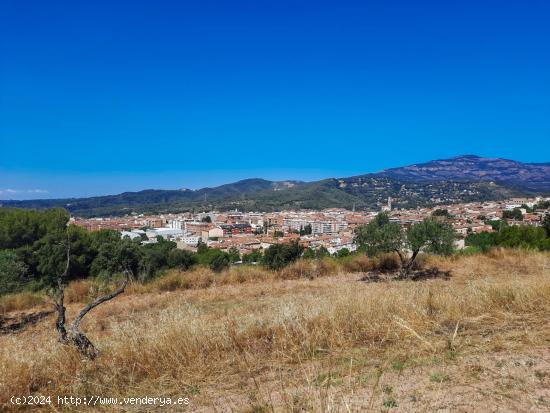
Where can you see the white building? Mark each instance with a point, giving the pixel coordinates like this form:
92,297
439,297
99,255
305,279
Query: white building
166,233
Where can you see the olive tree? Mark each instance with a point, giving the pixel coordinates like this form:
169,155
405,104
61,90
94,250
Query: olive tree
382,236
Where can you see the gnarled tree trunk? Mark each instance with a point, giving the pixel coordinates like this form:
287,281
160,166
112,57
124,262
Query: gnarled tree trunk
74,336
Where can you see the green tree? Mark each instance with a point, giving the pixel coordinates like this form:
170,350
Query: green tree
278,256
201,247
234,255
483,240
379,236
309,253
306,230
181,259
316,253
514,214
431,236
523,236
341,253
440,212
252,257
382,236
12,272
155,257
219,263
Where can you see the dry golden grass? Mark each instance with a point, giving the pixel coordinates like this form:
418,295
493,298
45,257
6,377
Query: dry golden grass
254,342
20,301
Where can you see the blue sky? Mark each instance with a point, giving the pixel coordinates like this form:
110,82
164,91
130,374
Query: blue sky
101,97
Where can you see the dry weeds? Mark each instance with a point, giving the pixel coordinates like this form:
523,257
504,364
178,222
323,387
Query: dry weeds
249,341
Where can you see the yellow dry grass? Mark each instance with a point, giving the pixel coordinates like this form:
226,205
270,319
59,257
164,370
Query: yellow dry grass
249,341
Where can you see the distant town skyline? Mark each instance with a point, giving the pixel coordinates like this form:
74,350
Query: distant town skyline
106,97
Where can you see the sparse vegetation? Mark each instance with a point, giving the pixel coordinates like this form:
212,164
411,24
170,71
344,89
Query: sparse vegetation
248,324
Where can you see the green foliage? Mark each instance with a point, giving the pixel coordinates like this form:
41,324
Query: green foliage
20,227
278,256
201,247
527,208
207,219
379,236
432,236
341,253
306,230
206,255
181,259
441,213
496,224
382,236
523,236
482,241
316,253
514,214
234,255
12,272
252,257
220,262
516,236
155,257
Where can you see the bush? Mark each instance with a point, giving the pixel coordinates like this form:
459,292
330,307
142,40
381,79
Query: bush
252,257
278,256
220,263
183,260
12,272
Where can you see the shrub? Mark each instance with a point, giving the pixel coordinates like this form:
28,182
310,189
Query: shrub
219,263
278,256
12,272
181,259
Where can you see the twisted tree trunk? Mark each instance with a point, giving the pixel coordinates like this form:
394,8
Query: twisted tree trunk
78,339
74,336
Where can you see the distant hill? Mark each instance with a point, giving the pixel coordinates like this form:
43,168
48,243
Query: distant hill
464,178
531,177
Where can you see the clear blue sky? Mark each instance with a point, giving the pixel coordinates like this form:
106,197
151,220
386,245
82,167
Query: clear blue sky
100,97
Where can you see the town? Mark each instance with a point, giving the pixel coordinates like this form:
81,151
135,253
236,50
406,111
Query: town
332,229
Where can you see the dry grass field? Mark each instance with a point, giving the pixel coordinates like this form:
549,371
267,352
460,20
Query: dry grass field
311,339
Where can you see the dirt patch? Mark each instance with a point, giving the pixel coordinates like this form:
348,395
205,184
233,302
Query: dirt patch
19,322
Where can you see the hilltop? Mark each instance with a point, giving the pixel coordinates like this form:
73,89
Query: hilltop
524,176
464,178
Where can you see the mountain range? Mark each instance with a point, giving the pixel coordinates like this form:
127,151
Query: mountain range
465,178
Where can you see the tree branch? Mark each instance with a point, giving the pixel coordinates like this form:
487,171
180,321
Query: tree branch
98,301
84,345
59,297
